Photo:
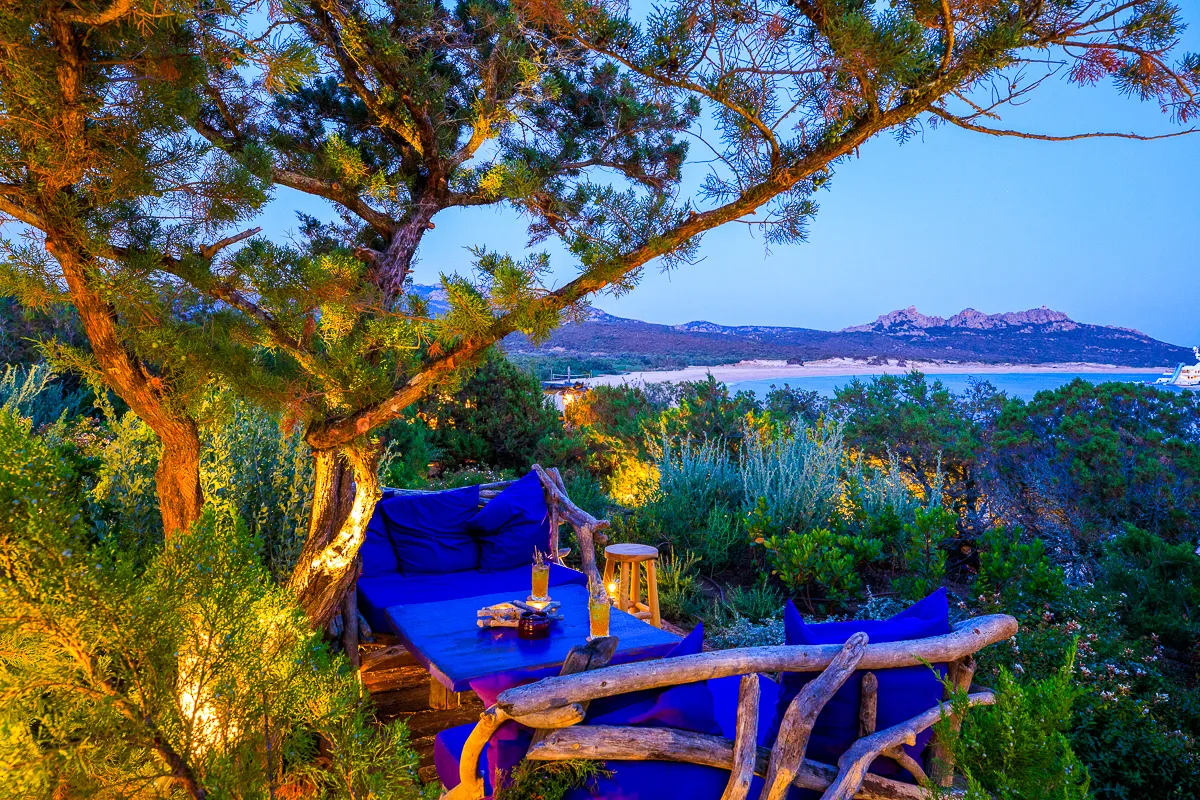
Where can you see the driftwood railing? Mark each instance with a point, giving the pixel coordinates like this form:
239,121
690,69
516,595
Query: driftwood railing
555,707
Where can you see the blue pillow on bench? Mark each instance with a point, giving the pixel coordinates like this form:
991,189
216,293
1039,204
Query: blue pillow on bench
903,692
429,530
511,525
378,555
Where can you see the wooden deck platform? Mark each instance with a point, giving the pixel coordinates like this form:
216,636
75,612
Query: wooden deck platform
400,688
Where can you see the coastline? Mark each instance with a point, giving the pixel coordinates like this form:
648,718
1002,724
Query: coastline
830,367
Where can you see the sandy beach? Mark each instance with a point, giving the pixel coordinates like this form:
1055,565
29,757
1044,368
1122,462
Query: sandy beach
781,370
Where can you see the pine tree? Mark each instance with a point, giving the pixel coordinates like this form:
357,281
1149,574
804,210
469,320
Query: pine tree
107,184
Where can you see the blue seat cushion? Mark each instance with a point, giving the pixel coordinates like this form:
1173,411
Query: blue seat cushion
510,526
687,707
725,693
903,693
428,530
378,593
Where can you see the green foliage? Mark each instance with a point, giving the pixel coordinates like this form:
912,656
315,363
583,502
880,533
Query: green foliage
177,669
705,411
1019,749
793,477
935,437
1016,575
758,602
498,417
1158,584
1136,717
679,595
1116,452
549,780
34,393
924,556
253,470
818,559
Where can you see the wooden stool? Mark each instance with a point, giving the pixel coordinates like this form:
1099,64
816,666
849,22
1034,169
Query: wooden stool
629,556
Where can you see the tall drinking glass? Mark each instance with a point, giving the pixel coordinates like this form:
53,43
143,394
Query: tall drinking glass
541,583
599,612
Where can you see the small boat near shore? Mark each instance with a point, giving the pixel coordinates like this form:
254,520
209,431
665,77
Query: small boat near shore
1184,375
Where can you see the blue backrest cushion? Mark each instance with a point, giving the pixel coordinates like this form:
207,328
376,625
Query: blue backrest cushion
429,530
903,693
378,555
688,707
511,525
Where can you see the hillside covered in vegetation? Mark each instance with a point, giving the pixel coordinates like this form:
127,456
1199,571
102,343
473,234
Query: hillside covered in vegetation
604,343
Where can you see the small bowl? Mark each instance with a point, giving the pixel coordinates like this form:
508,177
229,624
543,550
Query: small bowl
533,626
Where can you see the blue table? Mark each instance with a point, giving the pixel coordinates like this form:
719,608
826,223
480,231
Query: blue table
445,639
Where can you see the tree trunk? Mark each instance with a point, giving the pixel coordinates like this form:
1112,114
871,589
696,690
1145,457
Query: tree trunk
345,491
149,396
178,478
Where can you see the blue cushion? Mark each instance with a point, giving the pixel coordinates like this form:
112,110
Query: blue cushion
429,530
377,594
903,693
688,707
656,780
512,525
725,692
378,555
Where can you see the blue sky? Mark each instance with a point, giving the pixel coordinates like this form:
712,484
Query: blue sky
1107,231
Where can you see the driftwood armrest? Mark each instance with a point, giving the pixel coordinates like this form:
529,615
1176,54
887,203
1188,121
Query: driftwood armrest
969,636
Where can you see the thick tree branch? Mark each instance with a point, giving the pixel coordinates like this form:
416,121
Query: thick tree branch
210,250
381,223
118,9
21,214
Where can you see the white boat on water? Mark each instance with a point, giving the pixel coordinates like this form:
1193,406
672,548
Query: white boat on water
1184,375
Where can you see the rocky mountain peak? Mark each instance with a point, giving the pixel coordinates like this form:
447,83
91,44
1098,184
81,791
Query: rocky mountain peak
910,321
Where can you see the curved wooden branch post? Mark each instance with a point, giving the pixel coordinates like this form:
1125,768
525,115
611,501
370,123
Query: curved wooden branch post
745,746
853,765
801,715
562,509
962,672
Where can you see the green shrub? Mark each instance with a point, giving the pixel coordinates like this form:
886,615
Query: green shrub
795,478
172,670
679,595
756,603
923,557
829,563
1158,584
549,780
37,394
700,476
1016,575
498,417
741,632
1018,749
253,470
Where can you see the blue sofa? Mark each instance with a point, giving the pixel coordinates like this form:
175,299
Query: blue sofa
447,544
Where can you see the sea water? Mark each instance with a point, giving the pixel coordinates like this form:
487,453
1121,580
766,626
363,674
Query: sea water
1015,384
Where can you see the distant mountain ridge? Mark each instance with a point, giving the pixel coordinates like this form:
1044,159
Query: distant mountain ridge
1036,336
